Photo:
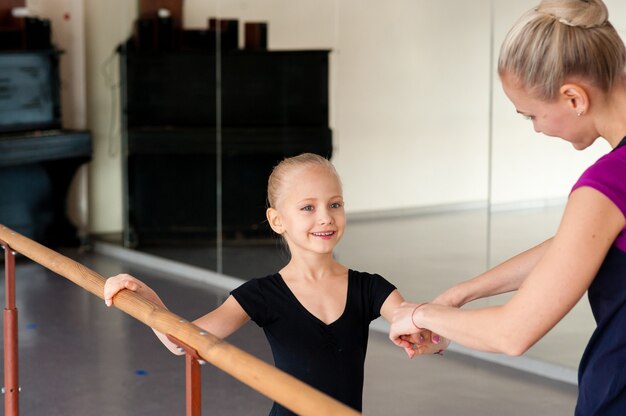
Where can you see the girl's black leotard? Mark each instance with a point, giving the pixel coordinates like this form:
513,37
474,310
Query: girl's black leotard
328,357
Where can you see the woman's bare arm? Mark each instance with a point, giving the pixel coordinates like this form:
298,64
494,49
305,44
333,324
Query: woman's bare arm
563,273
503,278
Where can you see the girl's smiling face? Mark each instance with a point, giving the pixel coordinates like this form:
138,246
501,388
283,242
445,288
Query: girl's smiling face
310,214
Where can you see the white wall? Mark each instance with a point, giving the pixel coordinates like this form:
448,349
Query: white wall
107,24
411,102
410,91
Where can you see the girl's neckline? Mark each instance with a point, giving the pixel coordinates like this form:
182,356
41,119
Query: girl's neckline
308,312
620,144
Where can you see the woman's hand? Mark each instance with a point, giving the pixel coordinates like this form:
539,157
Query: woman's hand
424,343
402,324
405,334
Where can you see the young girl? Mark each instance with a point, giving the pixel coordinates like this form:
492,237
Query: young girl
315,312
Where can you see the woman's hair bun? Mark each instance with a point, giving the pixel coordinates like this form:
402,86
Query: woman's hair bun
577,13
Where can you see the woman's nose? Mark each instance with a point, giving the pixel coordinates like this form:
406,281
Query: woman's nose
537,129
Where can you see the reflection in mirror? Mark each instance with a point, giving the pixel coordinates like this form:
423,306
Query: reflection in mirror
404,118
256,91
407,111
409,132
406,114
404,123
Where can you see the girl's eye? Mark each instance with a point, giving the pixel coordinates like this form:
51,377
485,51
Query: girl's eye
307,208
335,205
529,118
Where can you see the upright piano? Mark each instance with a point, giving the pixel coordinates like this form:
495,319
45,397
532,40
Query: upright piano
38,158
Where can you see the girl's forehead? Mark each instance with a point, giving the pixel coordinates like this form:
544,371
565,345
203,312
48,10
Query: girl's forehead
311,173
311,179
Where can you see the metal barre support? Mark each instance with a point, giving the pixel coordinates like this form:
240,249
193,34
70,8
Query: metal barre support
193,379
11,375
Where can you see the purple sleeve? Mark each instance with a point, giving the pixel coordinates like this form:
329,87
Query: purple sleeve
608,176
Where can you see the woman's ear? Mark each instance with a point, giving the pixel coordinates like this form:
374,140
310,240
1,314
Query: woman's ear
576,97
274,220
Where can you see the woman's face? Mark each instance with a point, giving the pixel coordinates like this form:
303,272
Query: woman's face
556,118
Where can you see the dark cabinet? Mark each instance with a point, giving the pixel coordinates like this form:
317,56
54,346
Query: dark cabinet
194,119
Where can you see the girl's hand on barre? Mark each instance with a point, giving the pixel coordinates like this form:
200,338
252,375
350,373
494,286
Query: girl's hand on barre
125,281
115,284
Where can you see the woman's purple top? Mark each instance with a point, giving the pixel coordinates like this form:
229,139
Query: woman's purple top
602,370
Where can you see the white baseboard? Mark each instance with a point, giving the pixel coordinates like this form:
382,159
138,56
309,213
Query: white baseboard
455,208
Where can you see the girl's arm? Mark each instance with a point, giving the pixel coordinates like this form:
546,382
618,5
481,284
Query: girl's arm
221,322
225,319
393,301
590,224
506,277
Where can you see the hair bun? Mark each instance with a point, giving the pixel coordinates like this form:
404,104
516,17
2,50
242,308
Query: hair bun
579,13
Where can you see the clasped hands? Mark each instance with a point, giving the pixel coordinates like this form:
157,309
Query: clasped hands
415,340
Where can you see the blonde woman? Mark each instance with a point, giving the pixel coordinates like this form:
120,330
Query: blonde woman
562,66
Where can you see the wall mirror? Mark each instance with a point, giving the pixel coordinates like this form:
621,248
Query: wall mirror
192,106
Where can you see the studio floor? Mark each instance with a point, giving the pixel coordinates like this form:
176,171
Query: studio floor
78,357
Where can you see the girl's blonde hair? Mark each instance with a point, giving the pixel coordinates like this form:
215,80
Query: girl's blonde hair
280,172
560,39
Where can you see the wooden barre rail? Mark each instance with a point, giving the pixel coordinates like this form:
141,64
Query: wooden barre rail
262,377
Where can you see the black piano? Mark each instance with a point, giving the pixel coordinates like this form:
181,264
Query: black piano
38,158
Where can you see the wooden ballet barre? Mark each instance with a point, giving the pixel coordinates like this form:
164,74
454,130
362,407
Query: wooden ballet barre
257,374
